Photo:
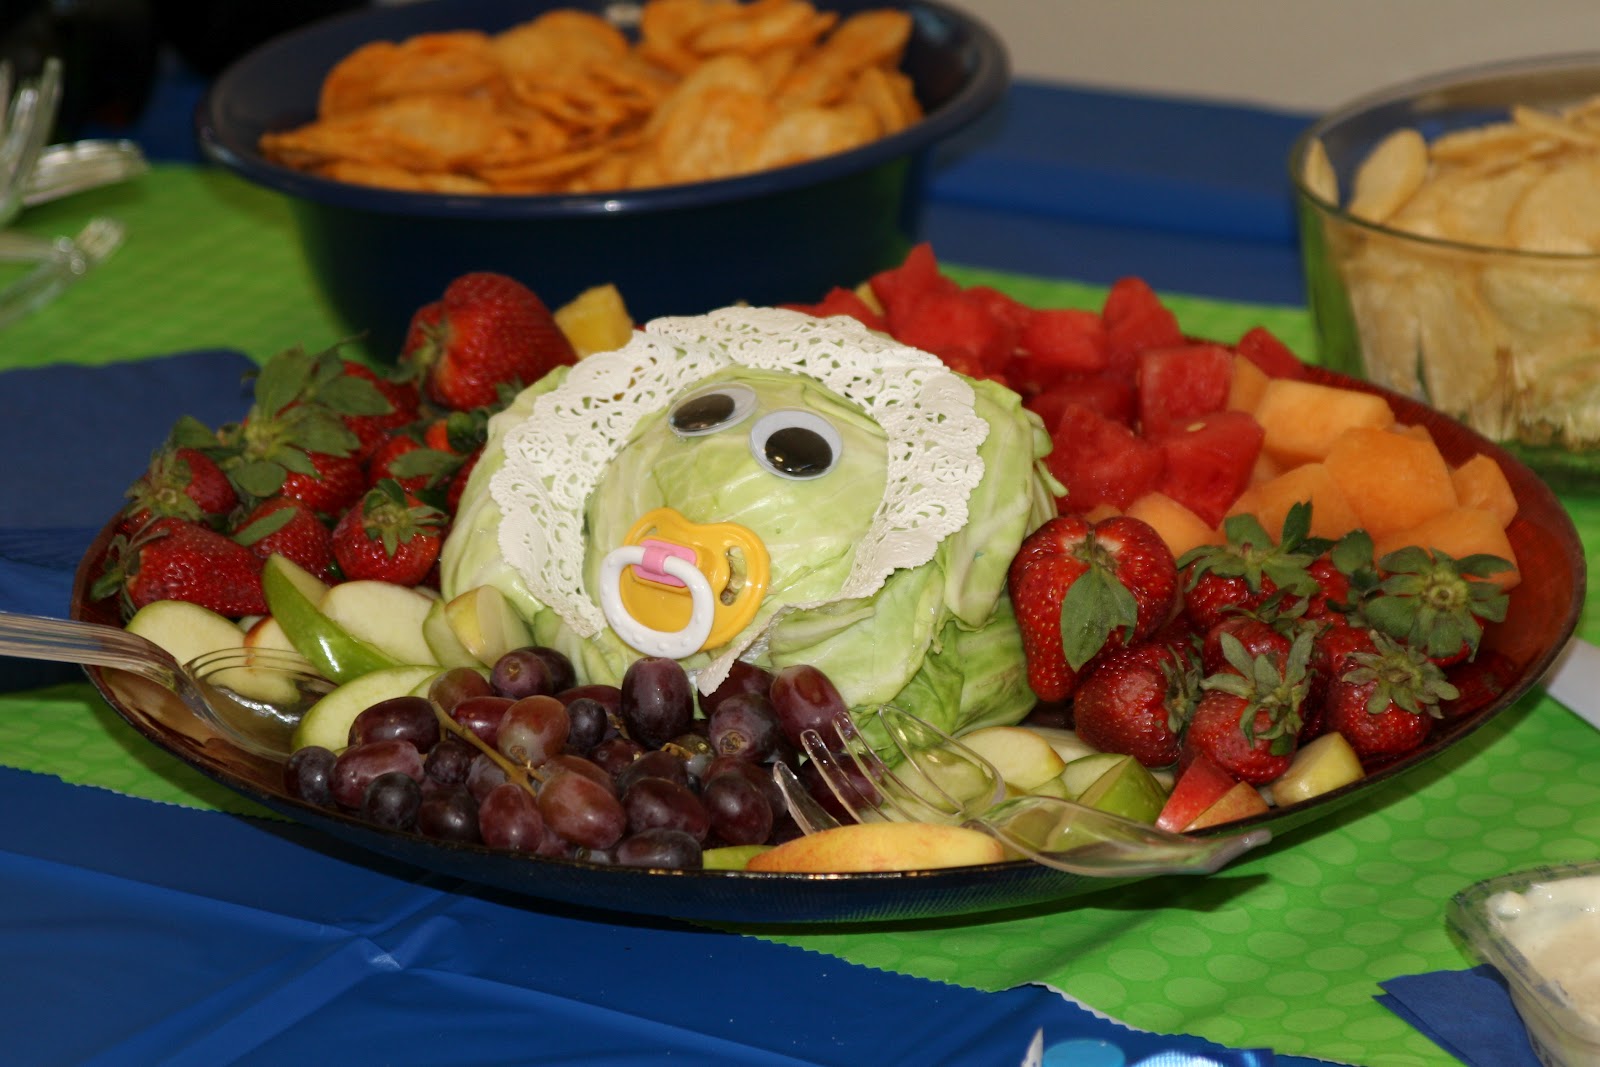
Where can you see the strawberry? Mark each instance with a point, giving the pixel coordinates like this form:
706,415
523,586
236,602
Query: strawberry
488,332
1136,701
415,466
294,441
1259,638
1385,701
1077,588
182,483
458,484
1249,568
1331,648
1478,683
1436,603
286,526
173,559
1248,718
330,487
390,536
403,403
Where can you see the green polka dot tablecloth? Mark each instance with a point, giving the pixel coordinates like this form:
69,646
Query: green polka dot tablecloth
1284,949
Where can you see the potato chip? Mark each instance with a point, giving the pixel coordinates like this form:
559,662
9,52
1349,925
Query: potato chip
1387,178
1318,173
566,102
1509,344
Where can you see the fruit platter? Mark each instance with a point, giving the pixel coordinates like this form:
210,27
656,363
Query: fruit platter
1120,594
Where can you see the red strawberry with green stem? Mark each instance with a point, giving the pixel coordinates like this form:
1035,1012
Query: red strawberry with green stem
287,527
1436,603
173,559
1077,588
180,483
1137,700
294,440
402,399
1250,567
389,537
1384,700
1248,718
488,332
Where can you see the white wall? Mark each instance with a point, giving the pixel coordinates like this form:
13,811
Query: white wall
1301,55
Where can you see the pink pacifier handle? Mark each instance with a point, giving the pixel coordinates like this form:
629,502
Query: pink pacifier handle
656,552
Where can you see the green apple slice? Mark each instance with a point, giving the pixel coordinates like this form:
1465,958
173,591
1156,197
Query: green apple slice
486,624
386,616
1320,766
730,857
1084,771
1128,789
327,722
442,640
1024,759
185,630
294,596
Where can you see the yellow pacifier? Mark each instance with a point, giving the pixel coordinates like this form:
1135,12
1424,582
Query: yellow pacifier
675,587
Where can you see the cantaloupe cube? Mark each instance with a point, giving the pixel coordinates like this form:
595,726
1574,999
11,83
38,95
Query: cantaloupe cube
1391,480
1331,514
1100,511
1265,470
1249,382
1480,483
1303,419
1179,527
1457,532
1414,429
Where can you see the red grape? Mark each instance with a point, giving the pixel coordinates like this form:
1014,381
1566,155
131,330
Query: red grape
404,718
358,765
738,811
655,803
742,678
744,725
664,848
508,817
482,716
392,800
657,700
307,776
532,730
456,685
581,811
804,699
449,813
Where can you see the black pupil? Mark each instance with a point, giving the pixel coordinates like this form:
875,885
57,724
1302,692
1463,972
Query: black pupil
702,412
798,451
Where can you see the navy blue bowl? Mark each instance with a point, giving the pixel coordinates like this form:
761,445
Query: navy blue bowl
780,236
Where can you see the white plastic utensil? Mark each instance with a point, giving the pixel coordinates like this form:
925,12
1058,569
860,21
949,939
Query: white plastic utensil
206,684
78,166
936,778
1574,680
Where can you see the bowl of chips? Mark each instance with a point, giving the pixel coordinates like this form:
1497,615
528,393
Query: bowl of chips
694,153
1450,230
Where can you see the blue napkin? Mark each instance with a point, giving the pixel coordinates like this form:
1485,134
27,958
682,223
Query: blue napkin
1469,1014
74,439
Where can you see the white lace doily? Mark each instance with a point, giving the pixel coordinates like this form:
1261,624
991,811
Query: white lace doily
555,457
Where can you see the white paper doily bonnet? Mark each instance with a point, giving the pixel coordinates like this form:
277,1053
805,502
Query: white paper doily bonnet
555,457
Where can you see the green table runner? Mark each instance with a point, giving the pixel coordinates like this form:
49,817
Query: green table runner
1284,949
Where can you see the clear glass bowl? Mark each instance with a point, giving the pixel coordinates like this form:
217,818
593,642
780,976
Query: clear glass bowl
1540,928
1433,300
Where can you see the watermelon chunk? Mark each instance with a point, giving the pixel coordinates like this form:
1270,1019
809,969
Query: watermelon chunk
957,328
1176,384
900,288
1135,320
1055,342
1100,461
841,301
1207,462
1261,347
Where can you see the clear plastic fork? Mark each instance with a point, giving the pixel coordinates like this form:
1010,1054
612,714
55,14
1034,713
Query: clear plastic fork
58,262
911,770
30,112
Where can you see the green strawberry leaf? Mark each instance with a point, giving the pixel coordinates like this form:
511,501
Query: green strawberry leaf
258,478
282,380
265,526
1093,607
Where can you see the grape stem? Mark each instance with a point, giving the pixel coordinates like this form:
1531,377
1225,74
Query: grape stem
513,771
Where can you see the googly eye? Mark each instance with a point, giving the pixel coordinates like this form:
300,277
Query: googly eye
712,410
795,444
